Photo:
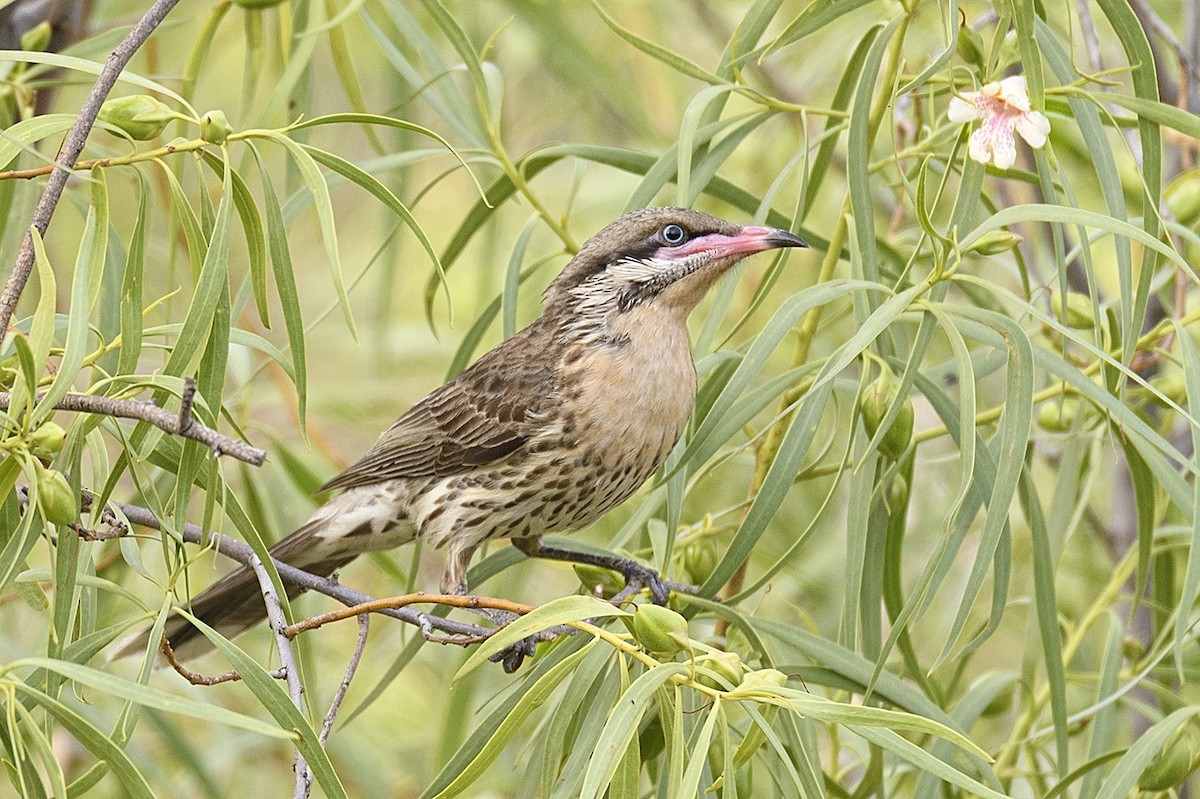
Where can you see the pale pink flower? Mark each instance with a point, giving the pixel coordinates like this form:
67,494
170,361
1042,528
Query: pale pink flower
1004,107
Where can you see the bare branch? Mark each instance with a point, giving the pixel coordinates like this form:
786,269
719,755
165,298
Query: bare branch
242,553
287,662
180,424
396,602
196,678
72,146
364,624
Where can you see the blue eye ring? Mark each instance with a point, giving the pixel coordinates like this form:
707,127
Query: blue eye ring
674,234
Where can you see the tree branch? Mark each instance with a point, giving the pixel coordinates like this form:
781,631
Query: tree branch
68,154
180,423
242,553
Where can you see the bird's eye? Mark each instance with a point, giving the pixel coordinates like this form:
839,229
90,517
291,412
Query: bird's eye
674,235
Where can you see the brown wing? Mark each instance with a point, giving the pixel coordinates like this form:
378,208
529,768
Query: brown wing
483,415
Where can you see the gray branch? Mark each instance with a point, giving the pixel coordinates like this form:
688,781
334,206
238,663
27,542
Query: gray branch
72,146
242,553
178,423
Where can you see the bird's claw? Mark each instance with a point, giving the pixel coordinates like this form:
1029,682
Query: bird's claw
638,576
511,658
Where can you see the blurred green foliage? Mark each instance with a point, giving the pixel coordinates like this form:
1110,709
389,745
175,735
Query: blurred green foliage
321,210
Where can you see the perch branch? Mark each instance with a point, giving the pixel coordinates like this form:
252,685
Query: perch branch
72,146
180,424
242,553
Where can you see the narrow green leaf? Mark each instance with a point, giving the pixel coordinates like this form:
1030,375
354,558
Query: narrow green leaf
534,698
559,611
95,741
622,725
315,182
659,53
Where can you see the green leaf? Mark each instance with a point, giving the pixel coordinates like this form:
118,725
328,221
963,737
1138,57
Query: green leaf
534,698
559,611
622,725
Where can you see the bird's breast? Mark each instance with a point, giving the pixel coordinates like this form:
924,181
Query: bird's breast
629,399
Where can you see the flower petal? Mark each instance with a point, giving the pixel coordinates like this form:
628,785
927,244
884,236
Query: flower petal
1004,150
979,146
963,109
1015,92
1033,127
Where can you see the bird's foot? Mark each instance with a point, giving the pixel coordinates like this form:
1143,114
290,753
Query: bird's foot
511,657
638,577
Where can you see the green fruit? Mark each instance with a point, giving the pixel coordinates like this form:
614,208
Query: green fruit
970,46
141,116
1076,312
727,666
37,38
1001,702
661,630
1173,386
214,127
700,560
1183,198
597,581
1058,416
874,404
1176,761
57,501
995,242
47,440
763,678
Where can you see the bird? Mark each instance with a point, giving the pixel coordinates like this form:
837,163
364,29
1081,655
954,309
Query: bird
545,433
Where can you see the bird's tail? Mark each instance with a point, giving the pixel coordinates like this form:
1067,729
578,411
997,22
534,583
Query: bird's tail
234,603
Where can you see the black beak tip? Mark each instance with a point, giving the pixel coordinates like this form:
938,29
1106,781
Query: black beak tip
782,238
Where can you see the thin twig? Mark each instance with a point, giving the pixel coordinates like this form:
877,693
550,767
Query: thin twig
195,678
364,624
185,405
180,424
68,154
287,662
397,602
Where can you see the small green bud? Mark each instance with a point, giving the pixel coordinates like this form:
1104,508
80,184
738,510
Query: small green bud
970,46
1183,199
47,440
727,666
1132,649
597,581
141,116
255,4
58,502
37,38
897,494
661,630
1001,702
214,127
995,242
1073,309
1172,385
700,560
1179,757
763,678
874,404
1058,416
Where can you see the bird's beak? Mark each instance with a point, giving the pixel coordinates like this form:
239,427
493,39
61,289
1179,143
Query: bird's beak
749,240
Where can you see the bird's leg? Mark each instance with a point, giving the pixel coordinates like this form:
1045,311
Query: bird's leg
636,575
454,581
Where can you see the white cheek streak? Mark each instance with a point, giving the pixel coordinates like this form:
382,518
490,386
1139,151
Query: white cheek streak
638,271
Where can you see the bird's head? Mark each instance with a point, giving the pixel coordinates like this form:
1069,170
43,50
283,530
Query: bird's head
668,257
